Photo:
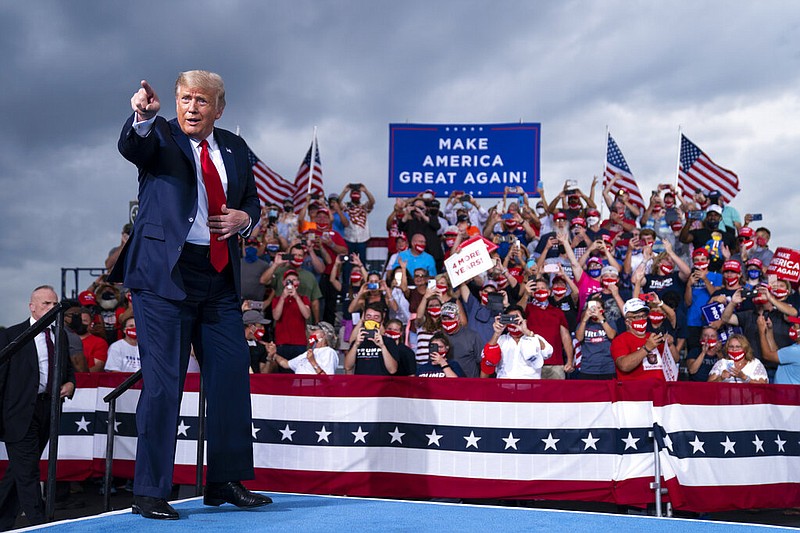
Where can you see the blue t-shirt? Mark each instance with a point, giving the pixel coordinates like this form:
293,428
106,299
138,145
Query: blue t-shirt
788,372
423,260
479,318
700,297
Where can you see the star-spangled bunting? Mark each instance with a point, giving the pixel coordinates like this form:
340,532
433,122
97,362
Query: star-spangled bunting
616,164
697,172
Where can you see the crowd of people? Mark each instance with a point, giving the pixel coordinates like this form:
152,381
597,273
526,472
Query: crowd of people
676,289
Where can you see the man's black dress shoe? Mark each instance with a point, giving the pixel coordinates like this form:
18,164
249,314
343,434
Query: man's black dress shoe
235,493
156,508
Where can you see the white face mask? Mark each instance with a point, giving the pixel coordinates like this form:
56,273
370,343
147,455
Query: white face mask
540,211
591,221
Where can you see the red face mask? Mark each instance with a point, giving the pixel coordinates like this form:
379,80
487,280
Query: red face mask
297,262
511,224
501,282
402,246
394,335
702,265
259,334
608,282
711,343
449,242
441,288
779,292
484,298
541,295
761,242
669,203
450,326
559,292
435,311
793,334
355,279
666,268
639,326
656,319
130,332
419,248
731,282
514,330
736,355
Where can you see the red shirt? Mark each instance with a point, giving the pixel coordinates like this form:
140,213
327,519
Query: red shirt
626,343
547,322
94,349
291,328
337,240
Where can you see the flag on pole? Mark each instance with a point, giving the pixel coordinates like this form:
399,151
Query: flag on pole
308,179
698,173
616,164
272,188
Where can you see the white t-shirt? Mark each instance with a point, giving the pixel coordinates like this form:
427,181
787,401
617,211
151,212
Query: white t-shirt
122,357
523,360
326,357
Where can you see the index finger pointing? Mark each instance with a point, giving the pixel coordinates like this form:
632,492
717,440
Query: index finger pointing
147,89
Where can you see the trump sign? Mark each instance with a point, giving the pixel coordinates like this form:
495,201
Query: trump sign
478,159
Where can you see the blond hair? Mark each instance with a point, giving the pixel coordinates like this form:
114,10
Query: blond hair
203,79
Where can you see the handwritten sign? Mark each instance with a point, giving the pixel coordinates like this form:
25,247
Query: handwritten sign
472,259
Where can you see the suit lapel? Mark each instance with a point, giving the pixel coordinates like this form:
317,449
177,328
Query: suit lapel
230,168
182,141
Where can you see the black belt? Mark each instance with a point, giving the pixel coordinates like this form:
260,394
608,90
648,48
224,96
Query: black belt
197,249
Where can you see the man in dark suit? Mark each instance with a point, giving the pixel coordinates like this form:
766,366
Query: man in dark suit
25,410
181,262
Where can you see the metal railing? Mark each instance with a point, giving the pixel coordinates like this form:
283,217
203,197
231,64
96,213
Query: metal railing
55,314
111,400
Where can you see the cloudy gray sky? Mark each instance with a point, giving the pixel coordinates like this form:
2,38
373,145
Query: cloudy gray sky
726,72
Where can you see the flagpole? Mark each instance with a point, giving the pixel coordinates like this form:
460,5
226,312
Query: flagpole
603,174
312,163
678,165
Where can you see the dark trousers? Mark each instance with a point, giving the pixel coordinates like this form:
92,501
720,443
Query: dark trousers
210,320
19,488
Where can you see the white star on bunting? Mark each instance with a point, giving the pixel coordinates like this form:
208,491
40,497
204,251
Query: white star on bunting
550,442
359,435
728,445
759,444
433,438
631,441
510,441
286,433
697,445
396,435
780,444
323,435
83,424
182,427
590,442
472,440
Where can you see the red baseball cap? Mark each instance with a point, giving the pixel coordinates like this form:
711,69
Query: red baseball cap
746,231
87,298
700,251
560,215
732,266
579,221
490,359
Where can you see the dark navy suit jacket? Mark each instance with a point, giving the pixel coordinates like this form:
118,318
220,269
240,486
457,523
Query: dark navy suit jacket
168,204
19,383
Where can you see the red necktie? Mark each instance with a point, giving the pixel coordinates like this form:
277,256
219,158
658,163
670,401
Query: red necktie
51,351
216,197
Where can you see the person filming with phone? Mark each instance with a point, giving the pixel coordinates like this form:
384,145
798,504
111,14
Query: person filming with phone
514,351
638,353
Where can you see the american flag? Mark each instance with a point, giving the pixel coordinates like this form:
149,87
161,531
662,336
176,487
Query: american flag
272,188
721,446
697,172
304,174
616,164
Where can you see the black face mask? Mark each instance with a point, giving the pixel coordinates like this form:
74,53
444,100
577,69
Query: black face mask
76,324
712,224
288,208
